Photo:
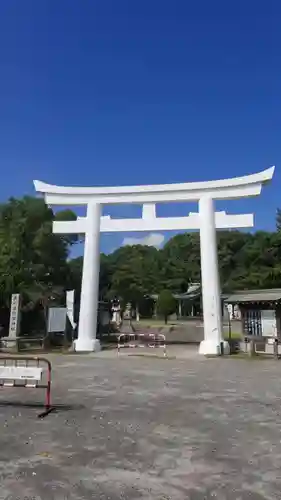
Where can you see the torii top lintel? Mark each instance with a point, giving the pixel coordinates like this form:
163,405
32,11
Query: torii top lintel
237,187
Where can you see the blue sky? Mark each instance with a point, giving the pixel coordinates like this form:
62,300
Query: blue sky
108,92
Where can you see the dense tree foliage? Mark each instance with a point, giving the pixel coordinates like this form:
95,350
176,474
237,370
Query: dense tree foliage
246,261
35,262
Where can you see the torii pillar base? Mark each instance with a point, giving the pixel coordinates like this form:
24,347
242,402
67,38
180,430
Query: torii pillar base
87,345
213,348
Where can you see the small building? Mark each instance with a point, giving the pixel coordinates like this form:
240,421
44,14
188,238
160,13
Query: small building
260,311
188,303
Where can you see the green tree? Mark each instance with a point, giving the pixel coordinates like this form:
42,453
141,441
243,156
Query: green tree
179,262
134,274
33,260
246,260
166,304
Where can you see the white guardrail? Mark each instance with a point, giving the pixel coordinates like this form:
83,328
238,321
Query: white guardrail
150,340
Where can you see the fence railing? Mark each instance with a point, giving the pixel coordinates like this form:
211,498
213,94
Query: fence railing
142,340
27,373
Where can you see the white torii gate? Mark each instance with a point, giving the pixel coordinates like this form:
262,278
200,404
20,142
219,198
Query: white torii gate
206,220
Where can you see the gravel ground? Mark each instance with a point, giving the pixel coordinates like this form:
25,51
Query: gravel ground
145,428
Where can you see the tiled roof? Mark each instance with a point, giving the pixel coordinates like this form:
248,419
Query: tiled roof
268,295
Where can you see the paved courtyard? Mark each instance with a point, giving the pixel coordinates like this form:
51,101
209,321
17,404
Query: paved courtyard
146,428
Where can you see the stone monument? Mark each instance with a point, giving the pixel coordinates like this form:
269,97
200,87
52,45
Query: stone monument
127,326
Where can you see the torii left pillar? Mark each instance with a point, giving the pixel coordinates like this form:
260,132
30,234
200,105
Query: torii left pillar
87,330
211,294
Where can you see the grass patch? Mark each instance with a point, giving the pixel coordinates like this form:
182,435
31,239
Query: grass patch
144,355
240,355
244,356
233,336
150,323
256,357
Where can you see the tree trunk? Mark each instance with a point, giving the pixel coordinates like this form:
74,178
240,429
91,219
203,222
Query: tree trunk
137,312
180,309
166,319
46,337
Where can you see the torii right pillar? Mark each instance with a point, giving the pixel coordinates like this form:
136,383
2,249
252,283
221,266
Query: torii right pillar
211,293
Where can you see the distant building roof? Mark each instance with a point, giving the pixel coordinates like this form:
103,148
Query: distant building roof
187,295
193,291
268,295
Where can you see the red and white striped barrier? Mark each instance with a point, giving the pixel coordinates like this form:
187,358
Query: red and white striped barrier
28,373
132,340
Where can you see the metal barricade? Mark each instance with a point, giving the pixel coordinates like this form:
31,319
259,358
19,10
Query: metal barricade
133,340
28,373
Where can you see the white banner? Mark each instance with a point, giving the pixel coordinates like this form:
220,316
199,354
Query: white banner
70,297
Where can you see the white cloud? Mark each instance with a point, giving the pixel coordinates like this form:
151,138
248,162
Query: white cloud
151,240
